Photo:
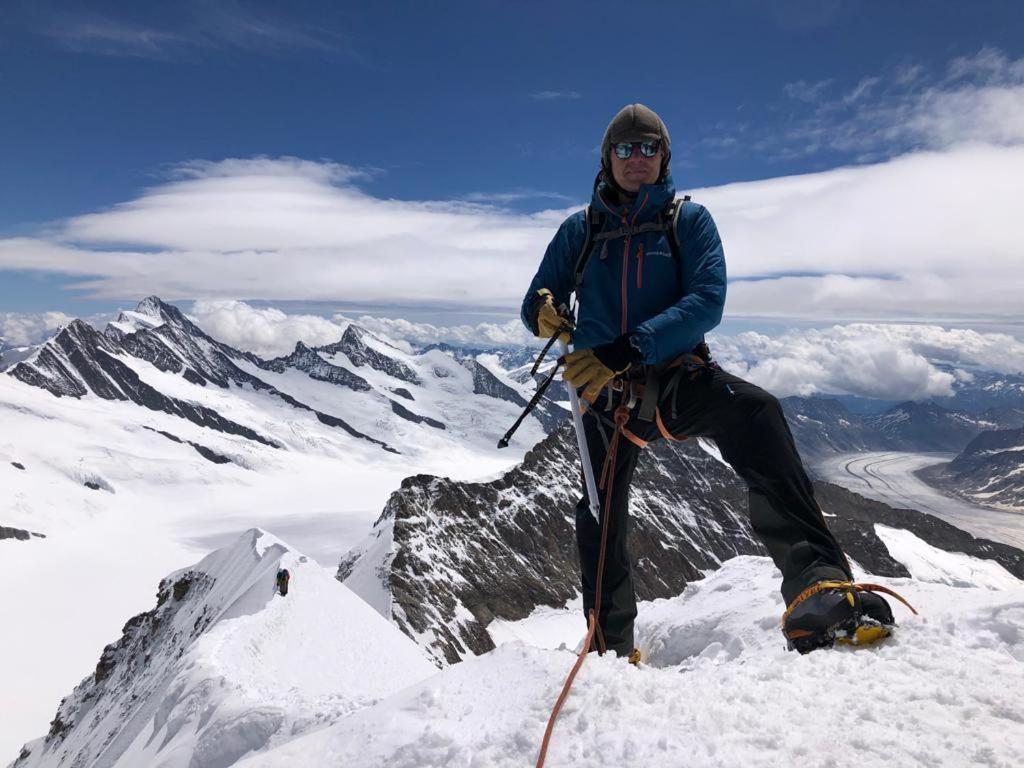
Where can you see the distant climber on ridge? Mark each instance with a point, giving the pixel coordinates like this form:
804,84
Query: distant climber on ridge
283,577
648,272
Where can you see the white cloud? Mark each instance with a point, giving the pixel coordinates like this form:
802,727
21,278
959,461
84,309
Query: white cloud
929,235
875,360
885,361
509,333
20,329
554,95
933,234
980,98
267,332
809,92
186,30
270,332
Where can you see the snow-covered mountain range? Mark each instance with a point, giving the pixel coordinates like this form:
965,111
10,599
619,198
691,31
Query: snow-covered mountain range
989,471
129,452
141,448
157,358
822,426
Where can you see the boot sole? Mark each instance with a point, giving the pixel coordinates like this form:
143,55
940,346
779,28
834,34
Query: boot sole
867,633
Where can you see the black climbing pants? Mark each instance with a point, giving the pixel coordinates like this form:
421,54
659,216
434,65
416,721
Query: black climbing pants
752,435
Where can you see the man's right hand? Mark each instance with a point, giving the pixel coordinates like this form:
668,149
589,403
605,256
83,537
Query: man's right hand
549,321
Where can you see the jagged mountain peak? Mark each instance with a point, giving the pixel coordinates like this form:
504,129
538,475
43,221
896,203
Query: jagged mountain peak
155,307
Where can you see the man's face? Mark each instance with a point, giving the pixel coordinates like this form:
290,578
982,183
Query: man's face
636,170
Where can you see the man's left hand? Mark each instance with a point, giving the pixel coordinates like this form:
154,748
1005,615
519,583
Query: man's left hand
593,368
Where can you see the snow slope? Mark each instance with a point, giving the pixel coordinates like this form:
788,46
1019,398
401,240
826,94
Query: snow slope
224,665
718,689
125,493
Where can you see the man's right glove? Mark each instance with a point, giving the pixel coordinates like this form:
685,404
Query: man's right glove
593,368
547,320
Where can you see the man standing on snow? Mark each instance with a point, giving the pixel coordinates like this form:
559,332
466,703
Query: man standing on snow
651,284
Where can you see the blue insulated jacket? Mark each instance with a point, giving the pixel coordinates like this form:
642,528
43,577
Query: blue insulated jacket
632,283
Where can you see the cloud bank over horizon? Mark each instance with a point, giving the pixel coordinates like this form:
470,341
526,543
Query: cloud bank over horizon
933,234
872,360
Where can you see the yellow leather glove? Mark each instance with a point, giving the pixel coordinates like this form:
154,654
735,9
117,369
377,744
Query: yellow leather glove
549,322
583,369
593,368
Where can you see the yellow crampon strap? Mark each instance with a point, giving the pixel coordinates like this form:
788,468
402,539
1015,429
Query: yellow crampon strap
849,587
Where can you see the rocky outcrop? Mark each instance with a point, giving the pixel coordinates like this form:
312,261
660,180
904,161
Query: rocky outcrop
353,345
207,453
308,361
456,556
17,533
80,360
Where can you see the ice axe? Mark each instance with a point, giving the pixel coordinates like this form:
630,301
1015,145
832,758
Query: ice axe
574,404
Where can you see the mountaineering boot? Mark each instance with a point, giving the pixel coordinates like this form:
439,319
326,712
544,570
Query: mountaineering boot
634,657
836,611
876,621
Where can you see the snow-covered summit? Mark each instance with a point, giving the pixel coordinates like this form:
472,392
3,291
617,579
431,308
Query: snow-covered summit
224,665
719,690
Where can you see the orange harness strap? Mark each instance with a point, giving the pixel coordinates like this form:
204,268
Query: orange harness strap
664,432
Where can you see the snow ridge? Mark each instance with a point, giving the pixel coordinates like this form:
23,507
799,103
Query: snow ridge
223,666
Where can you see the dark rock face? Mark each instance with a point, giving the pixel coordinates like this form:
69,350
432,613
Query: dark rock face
305,359
207,453
122,662
354,346
988,391
500,549
400,410
989,471
926,427
93,358
80,359
823,426
547,412
486,383
856,517
17,533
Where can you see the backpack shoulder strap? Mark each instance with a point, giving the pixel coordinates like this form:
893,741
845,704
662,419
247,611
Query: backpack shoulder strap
594,220
673,230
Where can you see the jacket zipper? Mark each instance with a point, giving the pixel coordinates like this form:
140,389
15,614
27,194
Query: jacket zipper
640,266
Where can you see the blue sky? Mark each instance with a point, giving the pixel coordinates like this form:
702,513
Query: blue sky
498,105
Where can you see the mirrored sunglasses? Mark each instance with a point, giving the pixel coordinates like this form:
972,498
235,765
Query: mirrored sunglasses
624,150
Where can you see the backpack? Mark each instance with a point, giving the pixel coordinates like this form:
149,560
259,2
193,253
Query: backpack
667,221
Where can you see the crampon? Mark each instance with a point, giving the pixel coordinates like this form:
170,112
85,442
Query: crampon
839,613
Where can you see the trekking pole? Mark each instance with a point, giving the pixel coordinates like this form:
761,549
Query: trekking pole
581,442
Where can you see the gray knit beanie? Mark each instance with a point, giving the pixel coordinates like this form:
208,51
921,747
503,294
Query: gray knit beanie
634,123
